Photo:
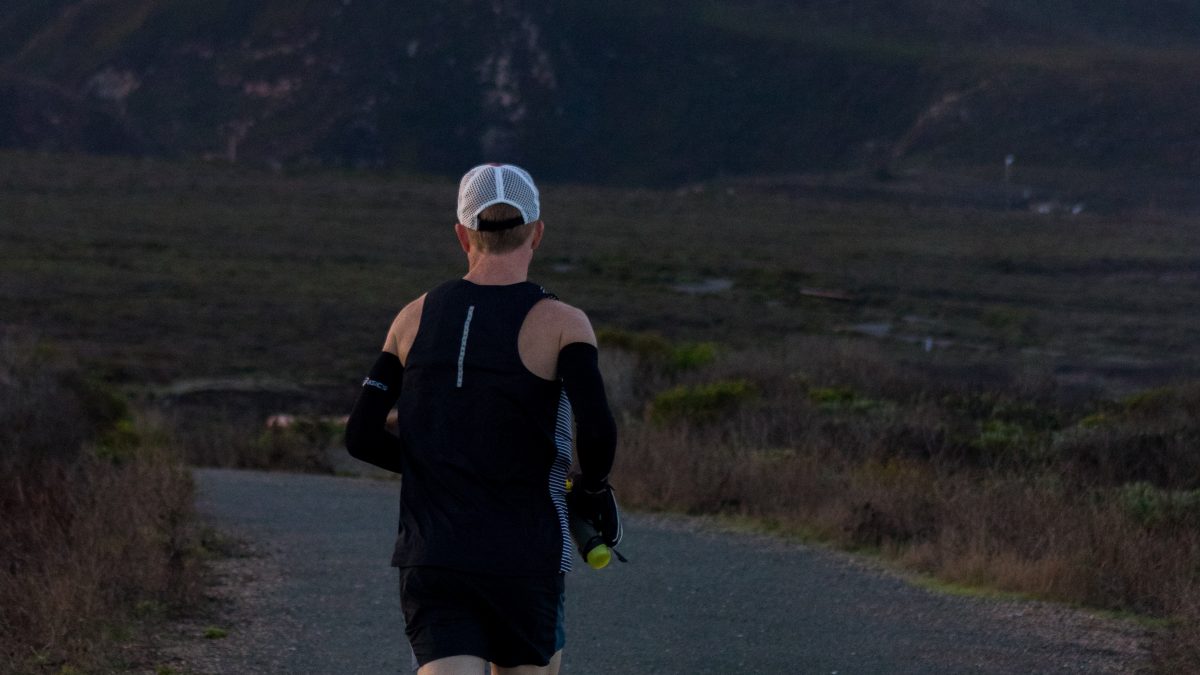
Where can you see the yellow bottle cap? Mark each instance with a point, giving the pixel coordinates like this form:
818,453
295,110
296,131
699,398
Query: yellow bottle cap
599,557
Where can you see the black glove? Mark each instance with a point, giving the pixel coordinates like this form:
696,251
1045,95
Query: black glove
597,504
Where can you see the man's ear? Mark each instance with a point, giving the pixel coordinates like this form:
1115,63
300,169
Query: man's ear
536,239
464,240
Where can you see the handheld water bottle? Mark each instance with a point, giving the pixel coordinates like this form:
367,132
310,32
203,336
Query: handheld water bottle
588,539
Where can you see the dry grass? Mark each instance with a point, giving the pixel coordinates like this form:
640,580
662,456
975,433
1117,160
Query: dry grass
964,475
98,530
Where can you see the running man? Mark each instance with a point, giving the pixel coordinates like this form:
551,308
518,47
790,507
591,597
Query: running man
490,371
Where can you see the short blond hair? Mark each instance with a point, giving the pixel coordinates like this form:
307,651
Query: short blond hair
500,241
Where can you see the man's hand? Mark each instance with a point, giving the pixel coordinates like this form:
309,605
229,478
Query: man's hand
597,504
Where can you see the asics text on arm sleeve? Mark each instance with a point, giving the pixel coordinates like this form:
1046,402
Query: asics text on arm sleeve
367,438
596,431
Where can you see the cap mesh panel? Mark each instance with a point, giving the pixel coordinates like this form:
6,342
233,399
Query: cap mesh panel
478,190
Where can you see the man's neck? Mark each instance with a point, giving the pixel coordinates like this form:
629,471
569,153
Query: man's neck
498,270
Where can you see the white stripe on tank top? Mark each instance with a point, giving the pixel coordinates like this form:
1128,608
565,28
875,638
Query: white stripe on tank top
558,476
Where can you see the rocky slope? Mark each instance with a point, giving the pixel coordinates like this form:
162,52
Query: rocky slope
616,91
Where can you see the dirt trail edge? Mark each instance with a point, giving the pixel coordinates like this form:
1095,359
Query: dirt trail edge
318,597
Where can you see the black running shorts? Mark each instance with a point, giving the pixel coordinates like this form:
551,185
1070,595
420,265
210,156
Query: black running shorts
508,621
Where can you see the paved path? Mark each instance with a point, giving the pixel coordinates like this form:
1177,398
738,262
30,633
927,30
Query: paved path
692,600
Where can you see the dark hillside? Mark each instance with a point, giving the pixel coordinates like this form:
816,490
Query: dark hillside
619,91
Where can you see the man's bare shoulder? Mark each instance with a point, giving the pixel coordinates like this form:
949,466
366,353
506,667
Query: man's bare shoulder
569,322
404,328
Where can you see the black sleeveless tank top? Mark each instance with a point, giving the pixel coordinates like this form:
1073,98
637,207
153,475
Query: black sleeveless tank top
487,443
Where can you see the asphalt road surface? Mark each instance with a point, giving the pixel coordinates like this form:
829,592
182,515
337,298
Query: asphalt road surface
321,598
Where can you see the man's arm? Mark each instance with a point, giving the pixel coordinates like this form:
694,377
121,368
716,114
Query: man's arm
595,429
367,439
579,369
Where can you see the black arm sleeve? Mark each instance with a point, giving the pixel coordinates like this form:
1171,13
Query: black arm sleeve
596,431
366,437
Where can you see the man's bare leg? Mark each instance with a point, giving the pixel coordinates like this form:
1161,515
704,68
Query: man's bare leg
548,669
455,665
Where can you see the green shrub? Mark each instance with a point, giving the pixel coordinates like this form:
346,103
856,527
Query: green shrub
998,436
841,399
1148,401
40,387
1007,445
1027,415
1168,457
650,346
972,405
701,403
691,355
1096,421
120,442
658,351
1150,506
1178,404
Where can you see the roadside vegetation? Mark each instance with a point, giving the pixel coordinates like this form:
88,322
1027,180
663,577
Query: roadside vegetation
97,542
977,473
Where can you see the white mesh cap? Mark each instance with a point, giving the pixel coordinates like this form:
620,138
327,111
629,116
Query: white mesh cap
489,184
